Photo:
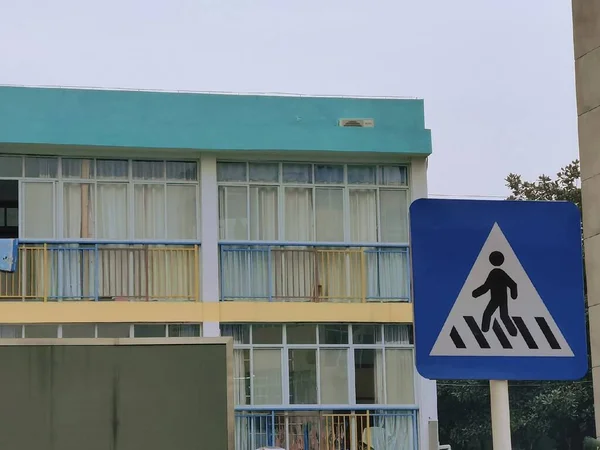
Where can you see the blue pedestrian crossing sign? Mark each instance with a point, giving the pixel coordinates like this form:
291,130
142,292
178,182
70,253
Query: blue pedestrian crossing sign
498,290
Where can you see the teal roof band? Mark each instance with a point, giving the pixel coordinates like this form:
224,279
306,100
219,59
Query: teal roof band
215,122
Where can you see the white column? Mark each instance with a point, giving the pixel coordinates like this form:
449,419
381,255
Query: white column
426,389
210,237
500,414
418,177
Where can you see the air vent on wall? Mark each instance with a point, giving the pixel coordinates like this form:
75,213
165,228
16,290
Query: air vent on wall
361,123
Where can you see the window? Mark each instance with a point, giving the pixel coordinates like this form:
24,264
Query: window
78,198
304,202
101,330
320,361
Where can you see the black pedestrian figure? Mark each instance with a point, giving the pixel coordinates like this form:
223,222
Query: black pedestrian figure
497,283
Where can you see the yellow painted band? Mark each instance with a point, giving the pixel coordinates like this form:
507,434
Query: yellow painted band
251,312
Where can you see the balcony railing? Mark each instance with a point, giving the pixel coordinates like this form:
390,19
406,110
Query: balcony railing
327,430
57,271
313,273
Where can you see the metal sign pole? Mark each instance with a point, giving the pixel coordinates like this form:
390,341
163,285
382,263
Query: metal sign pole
500,415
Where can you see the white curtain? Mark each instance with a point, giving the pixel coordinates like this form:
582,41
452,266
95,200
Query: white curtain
149,208
181,212
299,217
387,268
112,224
267,377
295,266
73,266
333,366
393,430
38,223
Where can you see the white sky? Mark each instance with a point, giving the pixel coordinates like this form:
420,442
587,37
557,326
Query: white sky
497,76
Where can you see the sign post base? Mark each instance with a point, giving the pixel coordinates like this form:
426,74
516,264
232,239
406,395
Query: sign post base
500,415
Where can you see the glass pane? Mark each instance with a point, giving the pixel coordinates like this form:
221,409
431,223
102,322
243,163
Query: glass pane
233,213
78,330
149,330
303,376
11,331
368,376
148,170
334,376
77,168
267,377
181,212
327,174
299,224
241,377
113,330
361,175
11,166
330,214
113,211
3,219
264,213
398,334
112,169
41,167
239,333
230,171
399,373
267,334
78,210
12,217
394,215
38,210
393,175
333,334
297,173
187,171
41,331
265,172
301,334
363,215
366,334
185,330
149,211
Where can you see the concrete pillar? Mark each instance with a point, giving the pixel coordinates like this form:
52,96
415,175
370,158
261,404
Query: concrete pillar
586,30
209,209
426,389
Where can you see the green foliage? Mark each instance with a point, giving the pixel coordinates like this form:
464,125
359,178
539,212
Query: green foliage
564,187
544,415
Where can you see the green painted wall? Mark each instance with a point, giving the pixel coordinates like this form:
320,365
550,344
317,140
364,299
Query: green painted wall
113,397
162,120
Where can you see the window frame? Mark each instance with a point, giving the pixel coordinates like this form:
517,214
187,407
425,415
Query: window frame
345,186
350,348
131,326
58,191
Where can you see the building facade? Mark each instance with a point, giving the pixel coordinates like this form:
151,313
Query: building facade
280,221
586,29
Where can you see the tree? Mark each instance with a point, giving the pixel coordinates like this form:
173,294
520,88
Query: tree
544,415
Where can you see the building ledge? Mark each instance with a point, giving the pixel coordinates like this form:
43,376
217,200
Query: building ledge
161,312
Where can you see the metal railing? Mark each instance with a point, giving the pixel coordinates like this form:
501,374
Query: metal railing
113,271
327,430
289,272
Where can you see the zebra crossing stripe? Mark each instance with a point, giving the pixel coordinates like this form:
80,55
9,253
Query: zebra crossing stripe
477,333
505,342
499,332
458,342
554,345
525,332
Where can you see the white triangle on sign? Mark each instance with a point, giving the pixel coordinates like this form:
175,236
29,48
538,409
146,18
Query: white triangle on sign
534,331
